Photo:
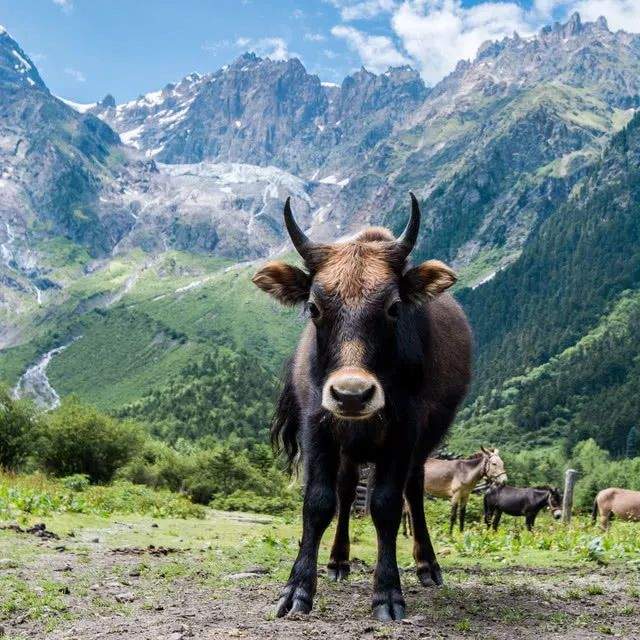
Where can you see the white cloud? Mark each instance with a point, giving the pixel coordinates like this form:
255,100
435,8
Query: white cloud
314,37
78,76
438,33
376,52
65,5
274,48
362,9
435,34
620,14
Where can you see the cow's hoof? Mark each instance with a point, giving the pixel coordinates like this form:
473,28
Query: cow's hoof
430,576
338,571
388,606
293,600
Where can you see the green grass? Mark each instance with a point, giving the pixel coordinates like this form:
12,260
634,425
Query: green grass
23,497
30,498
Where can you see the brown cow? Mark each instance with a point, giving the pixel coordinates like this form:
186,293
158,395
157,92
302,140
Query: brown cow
622,503
379,372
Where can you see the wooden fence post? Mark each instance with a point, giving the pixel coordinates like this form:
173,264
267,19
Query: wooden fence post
567,499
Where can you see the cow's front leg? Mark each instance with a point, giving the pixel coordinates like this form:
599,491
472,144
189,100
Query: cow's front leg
386,511
317,512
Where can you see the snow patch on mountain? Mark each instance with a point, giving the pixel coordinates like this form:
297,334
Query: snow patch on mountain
78,106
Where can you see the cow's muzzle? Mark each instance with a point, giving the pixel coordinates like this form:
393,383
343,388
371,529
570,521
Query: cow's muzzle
352,393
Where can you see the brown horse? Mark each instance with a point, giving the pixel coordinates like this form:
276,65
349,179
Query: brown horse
622,503
456,479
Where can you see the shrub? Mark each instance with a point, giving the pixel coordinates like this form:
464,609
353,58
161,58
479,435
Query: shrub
76,482
39,495
243,500
80,439
19,426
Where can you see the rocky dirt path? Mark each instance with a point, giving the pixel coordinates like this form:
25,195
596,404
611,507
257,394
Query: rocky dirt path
80,588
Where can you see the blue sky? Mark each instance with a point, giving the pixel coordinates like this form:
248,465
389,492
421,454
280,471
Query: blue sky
86,48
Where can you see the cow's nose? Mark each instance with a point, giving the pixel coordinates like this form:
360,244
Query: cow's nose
352,398
352,393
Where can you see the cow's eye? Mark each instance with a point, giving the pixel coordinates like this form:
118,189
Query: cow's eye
393,310
313,309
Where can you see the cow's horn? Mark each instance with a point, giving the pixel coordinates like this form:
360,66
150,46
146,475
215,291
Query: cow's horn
407,239
300,241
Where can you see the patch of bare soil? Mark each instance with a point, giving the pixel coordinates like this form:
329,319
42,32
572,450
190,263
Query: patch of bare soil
144,595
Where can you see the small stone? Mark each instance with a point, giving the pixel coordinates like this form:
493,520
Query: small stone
154,525
242,576
95,540
127,596
258,569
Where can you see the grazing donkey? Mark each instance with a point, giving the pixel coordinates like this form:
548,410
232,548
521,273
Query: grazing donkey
456,479
622,503
520,502
379,372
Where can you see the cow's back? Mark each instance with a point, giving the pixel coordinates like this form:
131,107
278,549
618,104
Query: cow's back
624,503
448,350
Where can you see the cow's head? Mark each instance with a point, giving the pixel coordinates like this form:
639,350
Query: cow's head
361,298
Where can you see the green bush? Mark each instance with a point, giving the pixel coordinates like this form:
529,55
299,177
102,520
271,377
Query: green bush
243,500
228,476
39,495
80,439
19,426
76,482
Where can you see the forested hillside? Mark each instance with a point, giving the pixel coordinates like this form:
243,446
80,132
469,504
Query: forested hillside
557,332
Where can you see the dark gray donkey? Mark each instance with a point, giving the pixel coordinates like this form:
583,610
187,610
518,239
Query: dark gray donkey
517,501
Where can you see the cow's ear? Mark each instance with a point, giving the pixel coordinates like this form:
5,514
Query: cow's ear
288,285
427,280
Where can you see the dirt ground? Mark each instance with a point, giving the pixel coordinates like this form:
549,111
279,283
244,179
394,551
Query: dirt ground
93,592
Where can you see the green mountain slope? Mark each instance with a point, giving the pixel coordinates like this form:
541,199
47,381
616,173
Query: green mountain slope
142,322
574,268
589,390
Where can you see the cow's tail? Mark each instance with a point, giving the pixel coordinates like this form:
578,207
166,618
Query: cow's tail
594,511
285,424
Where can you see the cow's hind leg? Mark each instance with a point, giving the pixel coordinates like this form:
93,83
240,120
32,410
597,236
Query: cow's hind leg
427,566
338,567
605,518
496,519
318,509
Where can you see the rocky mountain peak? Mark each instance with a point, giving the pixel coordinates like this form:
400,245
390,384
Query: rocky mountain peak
16,68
